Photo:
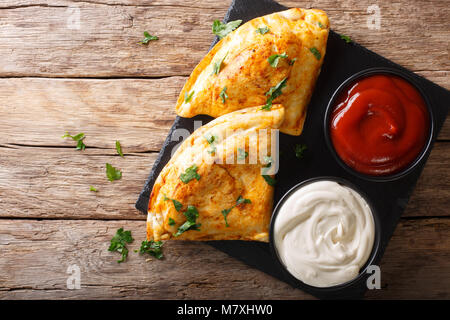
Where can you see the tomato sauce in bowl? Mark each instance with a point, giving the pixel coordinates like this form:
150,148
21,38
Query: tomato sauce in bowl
379,124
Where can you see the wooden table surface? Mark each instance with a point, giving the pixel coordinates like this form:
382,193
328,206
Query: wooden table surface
98,80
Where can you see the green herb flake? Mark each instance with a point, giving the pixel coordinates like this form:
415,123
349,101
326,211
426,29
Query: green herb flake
78,138
153,248
189,174
223,94
275,58
316,53
225,213
188,97
300,150
262,30
347,39
320,25
273,93
212,139
119,241
171,222
113,173
242,154
147,38
270,181
241,200
292,61
191,215
177,204
222,29
119,148
93,189
218,64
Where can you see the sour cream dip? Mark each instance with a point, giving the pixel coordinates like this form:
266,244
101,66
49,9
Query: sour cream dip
324,233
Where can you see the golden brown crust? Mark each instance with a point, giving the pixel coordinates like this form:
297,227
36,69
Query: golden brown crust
221,183
248,76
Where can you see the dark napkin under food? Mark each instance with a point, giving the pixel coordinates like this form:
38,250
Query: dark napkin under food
341,61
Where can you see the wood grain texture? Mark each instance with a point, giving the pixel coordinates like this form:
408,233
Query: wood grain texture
106,43
42,275
54,183
139,112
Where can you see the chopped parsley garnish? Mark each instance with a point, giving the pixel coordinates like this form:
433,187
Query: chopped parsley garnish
273,93
147,38
223,94
119,148
171,222
275,58
189,174
262,30
212,139
222,29
93,189
300,150
191,215
153,248
119,241
218,64
346,38
242,154
320,25
292,61
177,204
113,173
188,97
240,200
78,138
315,52
270,181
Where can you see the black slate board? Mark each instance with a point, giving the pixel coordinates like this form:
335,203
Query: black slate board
389,198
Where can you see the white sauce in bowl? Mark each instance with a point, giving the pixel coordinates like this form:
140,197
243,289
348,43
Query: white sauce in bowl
324,233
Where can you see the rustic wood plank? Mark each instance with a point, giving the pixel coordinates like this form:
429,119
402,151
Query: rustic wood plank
416,265
54,183
139,112
106,43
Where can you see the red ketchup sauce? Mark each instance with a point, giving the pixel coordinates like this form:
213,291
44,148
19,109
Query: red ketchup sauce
379,125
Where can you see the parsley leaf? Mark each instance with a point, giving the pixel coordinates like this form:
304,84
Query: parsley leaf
218,64
320,25
270,181
113,173
292,61
177,204
315,52
223,94
242,154
273,93
119,241
78,138
241,200
119,148
262,30
153,248
191,215
189,174
93,189
347,39
273,59
211,140
171,222
225,213
300,150
188,97
147,38
222,29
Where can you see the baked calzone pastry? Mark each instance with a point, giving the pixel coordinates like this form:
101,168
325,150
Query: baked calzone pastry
271,59
217,185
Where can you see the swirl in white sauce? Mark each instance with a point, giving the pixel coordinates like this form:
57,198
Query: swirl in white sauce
324,233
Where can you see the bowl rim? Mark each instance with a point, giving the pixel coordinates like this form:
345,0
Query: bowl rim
373,257
366,73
